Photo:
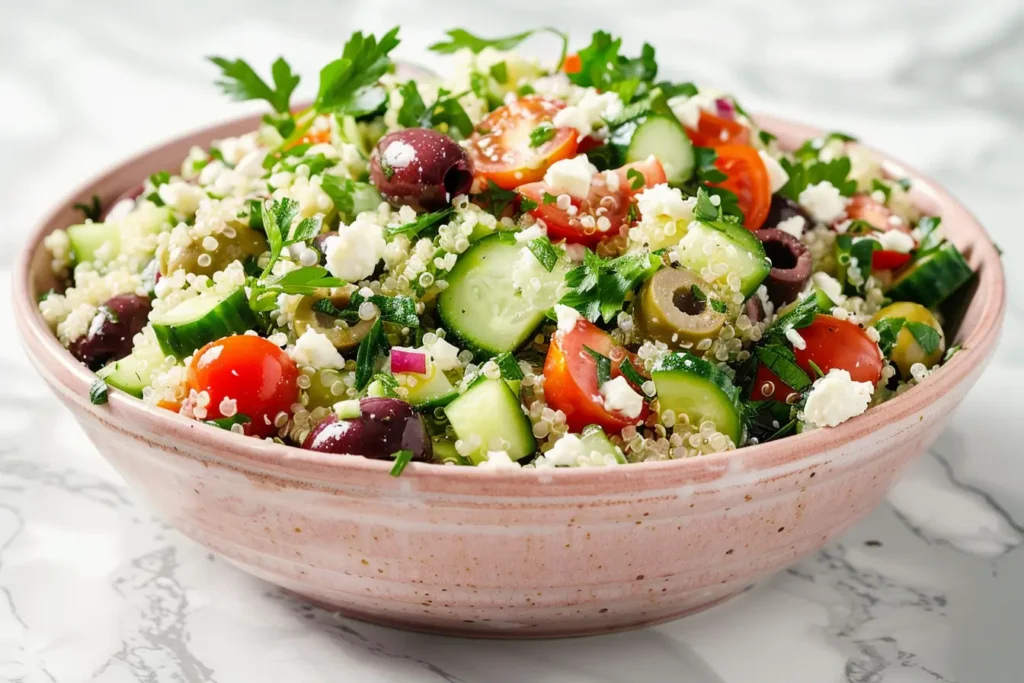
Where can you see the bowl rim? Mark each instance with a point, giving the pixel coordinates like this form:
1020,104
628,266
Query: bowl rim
45,351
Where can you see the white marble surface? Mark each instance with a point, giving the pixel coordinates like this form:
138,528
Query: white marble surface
929,588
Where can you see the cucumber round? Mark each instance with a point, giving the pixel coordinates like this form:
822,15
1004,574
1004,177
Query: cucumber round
595,439
714,242
490,412
480,305
88,238
662,137
202,319
134,372
431,391
690,385
931,280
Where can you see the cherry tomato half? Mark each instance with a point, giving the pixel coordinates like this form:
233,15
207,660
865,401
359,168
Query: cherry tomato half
748,180
256,373
830,343
501,148
570,378
863,208
582,223
714,131
572,64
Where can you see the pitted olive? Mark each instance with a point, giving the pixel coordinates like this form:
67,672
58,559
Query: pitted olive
791,265
670,310
344,334
420,168
202,257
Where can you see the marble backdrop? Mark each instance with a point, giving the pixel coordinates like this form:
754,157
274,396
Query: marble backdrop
929,588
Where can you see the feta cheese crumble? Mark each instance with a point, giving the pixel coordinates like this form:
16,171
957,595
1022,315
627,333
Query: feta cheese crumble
355,251
794,225
620,397
315,349
570,176
445,355
835,398
589,113
823,201
896,240
777,175
664,201
499,460
567,318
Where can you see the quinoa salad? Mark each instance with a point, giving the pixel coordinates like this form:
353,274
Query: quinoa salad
528,263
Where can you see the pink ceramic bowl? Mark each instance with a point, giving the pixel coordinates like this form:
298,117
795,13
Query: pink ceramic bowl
526,553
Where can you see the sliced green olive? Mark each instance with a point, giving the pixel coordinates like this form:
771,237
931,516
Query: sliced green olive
907,350
321,389
237,243
668,310
344,335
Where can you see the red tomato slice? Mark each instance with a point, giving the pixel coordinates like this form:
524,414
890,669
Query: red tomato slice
831,343
570,378
256,373
501,148
581,221
748,180
572,64
714,131
889,260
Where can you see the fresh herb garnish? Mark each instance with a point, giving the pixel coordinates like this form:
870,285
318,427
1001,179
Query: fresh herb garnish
98,392
509,366
880,186
718,306
423,222
888,331
926,335
602,67
855,255
373,345
604,366
446,113
459,38
308,280
495,199
400,310
344,193
931,237
541,134
545,252
526,204
277,220
402,458
240,81
549,198
91,211
811,172
228,422
499,72
633,376
598,287
766,137
780,360
349,84
636,179
814,366
801,316
698,294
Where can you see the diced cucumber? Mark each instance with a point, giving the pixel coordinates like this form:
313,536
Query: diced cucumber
444,452
135,371
707,244
491,413
88,239
594,439
931,280
429,391
661,136
202,319
482,307
691,385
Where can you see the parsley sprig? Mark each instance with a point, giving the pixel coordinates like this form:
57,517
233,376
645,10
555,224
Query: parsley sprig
598,287
602,67
445,114
459,38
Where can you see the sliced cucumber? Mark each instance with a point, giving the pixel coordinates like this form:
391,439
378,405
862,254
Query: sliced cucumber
89,238
690,385
931,280
661,136
431,390
444,452
482,307
708,244
594,439
491,413
202,319
135,371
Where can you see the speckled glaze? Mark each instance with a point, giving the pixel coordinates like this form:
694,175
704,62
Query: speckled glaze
532,553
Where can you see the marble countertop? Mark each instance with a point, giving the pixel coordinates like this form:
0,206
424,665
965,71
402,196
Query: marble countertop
930,587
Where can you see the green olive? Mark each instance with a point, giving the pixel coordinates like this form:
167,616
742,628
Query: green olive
320,389
667,310
907,351
237,244
344,335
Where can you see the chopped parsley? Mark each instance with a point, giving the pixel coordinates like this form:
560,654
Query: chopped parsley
545,252
780,360
373,345
229,422
402,459
239,81
91,211
602,67
423,222
603,366
542,134
633,376
98,392
598,287
459,38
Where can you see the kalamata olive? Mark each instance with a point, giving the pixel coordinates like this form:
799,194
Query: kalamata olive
112,329
783,209
343,334
754,309
383,427
420,168
667,308
237,243
791,265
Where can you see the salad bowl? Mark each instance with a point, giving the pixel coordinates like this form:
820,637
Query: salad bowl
512,553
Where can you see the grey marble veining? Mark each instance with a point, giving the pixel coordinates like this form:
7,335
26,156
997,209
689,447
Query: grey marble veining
94,587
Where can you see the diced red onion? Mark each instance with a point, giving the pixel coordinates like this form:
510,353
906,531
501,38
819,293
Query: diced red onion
408,361
725,108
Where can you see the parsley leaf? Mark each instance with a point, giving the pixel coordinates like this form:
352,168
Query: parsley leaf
526,204
780,360
307,229
545,252
402,459
633,376
400,310
499,72
598,287
541,134
240,81
931,237
801,316
880,186
98,392
811,172
604,366
350,197
373,344
856,255
925,335
91,211
636,179
602,67
446,113
264,291
423,222
718,306
704,211
549,198
509,366
349,84
229,422
698,294
459,38
495,199
277,220
888,331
